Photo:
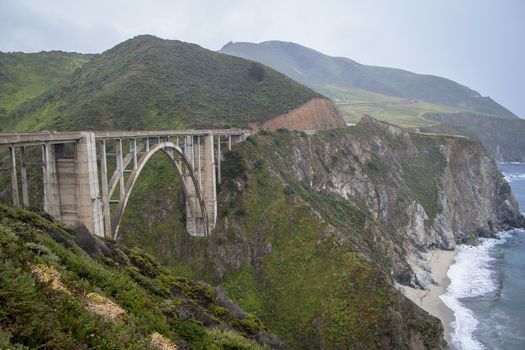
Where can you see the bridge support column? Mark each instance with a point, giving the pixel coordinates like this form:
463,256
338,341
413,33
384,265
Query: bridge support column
50,182
219,159
23,175
14,179
209,183
89,206
194,215
105,189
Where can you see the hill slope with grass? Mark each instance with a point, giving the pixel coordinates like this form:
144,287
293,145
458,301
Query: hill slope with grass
65,290
339,77
150,83
24,76
394,95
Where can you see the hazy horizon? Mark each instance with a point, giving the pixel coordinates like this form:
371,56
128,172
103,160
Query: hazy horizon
479,45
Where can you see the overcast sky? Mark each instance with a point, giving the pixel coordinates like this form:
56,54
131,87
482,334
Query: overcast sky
479,43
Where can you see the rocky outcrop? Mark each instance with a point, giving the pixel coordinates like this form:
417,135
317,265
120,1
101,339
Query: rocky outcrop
317,113
433,191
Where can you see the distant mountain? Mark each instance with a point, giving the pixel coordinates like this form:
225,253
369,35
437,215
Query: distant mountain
339,78
24,76
425,102
151,83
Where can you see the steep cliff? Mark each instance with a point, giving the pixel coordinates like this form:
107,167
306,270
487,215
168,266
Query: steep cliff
431,191
314,230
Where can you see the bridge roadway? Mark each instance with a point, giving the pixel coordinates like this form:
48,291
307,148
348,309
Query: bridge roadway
75,165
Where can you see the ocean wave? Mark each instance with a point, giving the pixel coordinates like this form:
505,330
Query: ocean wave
513,177
471,276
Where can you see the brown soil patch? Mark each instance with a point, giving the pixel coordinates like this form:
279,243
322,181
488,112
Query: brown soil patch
316,114
162,343
49,275
104,307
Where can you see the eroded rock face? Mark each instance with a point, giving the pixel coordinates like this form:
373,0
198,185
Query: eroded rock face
317,113
434,191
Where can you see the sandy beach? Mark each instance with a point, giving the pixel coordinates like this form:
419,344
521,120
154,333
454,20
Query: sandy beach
439,262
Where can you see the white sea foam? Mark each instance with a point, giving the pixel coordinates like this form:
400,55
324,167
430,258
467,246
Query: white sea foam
513,177
470,276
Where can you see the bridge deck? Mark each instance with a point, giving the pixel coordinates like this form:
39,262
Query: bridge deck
37,138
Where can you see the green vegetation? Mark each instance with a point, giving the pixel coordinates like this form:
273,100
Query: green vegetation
156,194
396,110
51,293
150,83
24,76
305,277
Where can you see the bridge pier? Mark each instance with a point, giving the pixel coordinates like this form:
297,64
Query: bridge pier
89,209
71,192
209,181
50,181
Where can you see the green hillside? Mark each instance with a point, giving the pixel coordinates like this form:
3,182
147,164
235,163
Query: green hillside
344,78
65,290
24,76
151,83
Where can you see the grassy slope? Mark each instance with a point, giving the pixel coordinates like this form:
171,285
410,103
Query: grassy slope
38,314
324,73
396,110
24,76
150,83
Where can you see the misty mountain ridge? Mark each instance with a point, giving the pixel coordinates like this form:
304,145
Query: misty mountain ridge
327,74
394,95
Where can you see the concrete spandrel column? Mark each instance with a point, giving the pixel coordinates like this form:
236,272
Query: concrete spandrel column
89,206
219,159
23,176
120,168
105,189
14,178
50,182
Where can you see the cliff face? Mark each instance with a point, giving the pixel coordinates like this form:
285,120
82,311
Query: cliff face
317,113
432,191
313,230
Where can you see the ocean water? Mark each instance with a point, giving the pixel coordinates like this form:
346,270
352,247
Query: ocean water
487,285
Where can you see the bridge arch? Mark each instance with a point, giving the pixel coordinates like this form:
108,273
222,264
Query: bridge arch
191,186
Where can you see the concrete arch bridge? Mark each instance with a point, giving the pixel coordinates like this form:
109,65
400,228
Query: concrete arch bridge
88,176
